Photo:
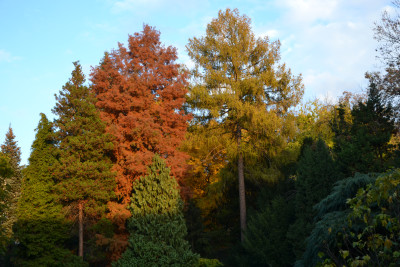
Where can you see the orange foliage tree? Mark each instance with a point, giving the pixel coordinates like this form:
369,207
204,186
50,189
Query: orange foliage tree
140,92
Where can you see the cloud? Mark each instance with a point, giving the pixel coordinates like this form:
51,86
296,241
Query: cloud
306,11
7,57
329,41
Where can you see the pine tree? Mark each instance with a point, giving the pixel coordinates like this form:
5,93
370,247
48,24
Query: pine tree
140,92
157,225
13,183
41,228
240,85
84,181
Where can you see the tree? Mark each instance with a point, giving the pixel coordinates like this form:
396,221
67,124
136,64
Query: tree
140,92
362,140
84,180
316,174
266,243
41,228
13,183
331,220
5,172
240,84
387,33
157,225
375,211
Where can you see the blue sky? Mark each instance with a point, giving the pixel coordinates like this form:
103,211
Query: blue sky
329,41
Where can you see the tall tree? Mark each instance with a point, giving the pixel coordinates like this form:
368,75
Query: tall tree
239,84
140,92
157,224
5,172
41,228
84,180
11,149
362,137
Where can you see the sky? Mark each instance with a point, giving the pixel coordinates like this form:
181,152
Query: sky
330,42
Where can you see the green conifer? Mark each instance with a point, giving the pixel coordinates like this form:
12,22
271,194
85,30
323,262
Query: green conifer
316,176
84,181
41,228
157,225
5,172
12,183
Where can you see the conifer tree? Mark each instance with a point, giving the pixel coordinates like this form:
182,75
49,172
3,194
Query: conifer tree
157,225
41,228
140,92
12,183
84,180
5,172
362,145
241,85
316,175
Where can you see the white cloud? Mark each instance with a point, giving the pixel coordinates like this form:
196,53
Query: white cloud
7,57
272,34
306,11
329,41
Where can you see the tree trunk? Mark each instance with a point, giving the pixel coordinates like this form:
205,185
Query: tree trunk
80,206
242,191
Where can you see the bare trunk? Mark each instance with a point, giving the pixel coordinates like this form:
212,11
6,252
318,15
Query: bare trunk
242,191
80,206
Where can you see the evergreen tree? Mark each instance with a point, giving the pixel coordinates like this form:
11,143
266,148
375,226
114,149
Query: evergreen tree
84,181
157,225
5,172
266,243
374,121
41,228
242,86
316,174
362,144
12,183
331,219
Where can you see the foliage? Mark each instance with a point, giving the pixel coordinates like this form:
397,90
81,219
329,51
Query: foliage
331,218
362,142
239,83
266,243
209,263
140,92
12,183
157,225
41,228
373,225
313,119
316,174
5,172
82,172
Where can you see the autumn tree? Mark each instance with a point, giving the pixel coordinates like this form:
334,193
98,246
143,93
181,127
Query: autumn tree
84,180
12,183
239,83
157,224
41,228
140,92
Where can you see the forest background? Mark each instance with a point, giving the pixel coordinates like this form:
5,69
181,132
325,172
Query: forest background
224,150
